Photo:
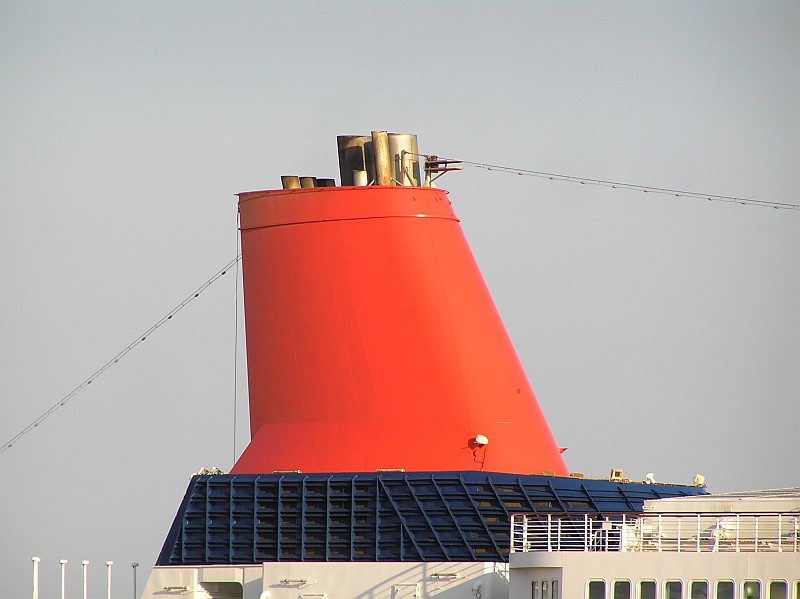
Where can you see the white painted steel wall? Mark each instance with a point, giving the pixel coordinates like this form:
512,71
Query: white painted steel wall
333,580
573,569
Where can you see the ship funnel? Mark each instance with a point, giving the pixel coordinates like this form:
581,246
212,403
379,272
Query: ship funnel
379,159
372,340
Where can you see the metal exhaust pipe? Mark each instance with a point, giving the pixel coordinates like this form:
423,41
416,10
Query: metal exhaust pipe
383,161
290,182
308,182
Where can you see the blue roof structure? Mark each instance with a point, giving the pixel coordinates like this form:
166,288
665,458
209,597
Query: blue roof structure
377,517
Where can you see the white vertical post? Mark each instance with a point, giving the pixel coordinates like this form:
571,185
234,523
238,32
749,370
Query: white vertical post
755,542
63,563
85,564
108,577
134,565
35,561
659,533
558,546
640,523
698,533
585,532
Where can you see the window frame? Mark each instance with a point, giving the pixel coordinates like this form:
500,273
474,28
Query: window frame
787,588
600,580
623,580
709,588
669,581
729,581
639,582
743,587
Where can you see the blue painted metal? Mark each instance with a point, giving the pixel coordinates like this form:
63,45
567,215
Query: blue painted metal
408,517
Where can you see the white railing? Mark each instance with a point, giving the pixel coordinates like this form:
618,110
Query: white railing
657,532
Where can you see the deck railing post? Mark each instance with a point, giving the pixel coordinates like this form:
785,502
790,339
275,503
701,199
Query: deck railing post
659,533
558,545
641,533
586,532
698,533
755,542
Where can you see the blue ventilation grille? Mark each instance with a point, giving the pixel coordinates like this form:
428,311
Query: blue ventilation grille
407,517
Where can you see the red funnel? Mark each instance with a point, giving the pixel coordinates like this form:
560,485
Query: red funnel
373,343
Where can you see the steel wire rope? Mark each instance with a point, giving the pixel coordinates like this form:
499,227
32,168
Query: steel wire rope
236,339
139,339
620,185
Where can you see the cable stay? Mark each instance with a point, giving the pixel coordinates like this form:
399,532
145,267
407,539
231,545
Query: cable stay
142,337
436,161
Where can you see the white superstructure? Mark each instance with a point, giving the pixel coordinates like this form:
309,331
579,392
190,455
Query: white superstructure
737,546
330,580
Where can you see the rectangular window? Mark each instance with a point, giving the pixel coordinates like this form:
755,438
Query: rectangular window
536,592
596,589
545,590
622,589
673,589
554,589
751,589
778,589
724,589
647,589
698,589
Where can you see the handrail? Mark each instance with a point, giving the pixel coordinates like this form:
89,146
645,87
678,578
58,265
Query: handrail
698,533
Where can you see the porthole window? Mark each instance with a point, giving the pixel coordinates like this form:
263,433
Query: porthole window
698,589
596,589
751,589
778,589
724,589
647,589
673,589
622,589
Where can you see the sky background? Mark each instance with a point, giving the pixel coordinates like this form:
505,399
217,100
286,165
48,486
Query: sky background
660,334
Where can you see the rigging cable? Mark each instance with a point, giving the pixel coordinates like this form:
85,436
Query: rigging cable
236,340
619,185
88,381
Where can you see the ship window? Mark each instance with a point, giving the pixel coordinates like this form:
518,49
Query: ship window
647,589
751,589
698,589
673,589
622,589
554,589
596,589
536,592
545,590
778,589
724,589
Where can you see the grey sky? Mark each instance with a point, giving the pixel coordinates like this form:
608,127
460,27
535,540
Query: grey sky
660,334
